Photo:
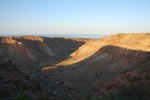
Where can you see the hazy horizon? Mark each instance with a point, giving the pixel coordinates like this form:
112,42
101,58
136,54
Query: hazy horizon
79,17
59,35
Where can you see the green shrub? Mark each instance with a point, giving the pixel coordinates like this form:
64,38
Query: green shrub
23,96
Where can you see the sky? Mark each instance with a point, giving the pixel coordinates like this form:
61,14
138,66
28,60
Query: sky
83,17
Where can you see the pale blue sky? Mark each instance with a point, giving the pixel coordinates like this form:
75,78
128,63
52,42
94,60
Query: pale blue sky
74,16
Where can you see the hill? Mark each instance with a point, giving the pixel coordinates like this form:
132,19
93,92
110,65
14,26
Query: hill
101,60
33,49
114,67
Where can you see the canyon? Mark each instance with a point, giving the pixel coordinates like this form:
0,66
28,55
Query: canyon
115,67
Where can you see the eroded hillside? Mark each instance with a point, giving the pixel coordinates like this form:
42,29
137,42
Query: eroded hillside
128,41
99,60
33,49
114,67
28,54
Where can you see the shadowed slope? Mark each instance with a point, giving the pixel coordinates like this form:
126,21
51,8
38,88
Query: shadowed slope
101,60
15,85
107,63
81,75
129,41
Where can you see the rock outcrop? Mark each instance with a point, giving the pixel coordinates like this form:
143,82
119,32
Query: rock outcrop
9,41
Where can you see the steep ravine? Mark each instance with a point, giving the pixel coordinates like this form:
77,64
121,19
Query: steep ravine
108,57
107,63
128,41
102,69
30,53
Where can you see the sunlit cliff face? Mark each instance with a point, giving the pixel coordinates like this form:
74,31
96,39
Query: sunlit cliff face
9,41
33,38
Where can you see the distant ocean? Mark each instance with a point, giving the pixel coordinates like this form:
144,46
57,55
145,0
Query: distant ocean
75,35
95,36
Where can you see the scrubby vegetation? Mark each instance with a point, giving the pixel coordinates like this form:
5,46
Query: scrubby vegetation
132,92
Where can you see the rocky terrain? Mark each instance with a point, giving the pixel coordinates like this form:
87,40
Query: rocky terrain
115,67
14,85
26,56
